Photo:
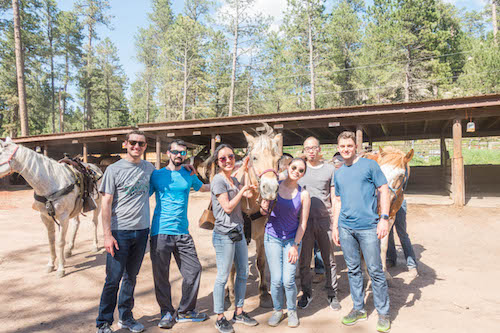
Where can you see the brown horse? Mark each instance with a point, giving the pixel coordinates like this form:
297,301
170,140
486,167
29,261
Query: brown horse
395,166
264,151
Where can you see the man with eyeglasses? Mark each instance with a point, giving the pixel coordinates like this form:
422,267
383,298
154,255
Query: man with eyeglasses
170,236
318,181
125,220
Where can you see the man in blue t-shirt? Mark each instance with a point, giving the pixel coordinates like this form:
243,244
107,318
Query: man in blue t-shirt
170,236
358,229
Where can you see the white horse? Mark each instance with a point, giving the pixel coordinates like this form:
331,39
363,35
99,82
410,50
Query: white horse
47,177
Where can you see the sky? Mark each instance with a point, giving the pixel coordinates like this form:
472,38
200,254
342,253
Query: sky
130,15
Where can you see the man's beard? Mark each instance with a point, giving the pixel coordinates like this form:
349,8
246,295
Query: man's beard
176,163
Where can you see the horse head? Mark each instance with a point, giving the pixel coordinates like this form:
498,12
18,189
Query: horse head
395,166
7,151
264,152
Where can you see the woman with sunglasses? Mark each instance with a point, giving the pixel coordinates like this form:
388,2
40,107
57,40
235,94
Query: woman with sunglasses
228,237
284,230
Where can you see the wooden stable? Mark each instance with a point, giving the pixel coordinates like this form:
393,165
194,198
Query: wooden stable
384,122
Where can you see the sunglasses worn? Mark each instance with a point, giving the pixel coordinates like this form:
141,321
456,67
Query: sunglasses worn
175,152
300,170
229,157
140,143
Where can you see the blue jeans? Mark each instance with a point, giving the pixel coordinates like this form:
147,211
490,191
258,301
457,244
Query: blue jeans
352,242
227,252
282,272
400,225
124,266
319,265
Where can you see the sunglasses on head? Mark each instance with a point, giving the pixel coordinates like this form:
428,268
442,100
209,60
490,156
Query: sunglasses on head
300,170
140,143
229,157
175,152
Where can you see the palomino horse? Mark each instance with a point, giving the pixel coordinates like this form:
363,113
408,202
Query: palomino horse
47,177
395,166
264,151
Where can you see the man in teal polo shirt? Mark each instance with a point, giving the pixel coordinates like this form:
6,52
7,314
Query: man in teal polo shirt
170,236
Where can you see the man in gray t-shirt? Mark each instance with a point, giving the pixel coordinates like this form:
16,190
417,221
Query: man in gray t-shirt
318,181
125,220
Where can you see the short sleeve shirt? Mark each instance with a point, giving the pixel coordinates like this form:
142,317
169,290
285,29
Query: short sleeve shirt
129,184
223,221
318,182
171,190
357,185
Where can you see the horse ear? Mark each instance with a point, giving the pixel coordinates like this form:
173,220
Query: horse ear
278,142
8,140
1,143
250,139
409,156
380,150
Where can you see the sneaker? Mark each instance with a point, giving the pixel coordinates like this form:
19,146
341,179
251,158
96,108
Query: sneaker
191,316
334,303
354,316
244,318
276,318
304,301
293,318
131,324
167,321
224,326
104,328
383,323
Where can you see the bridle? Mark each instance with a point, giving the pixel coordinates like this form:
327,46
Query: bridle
402,187
9,160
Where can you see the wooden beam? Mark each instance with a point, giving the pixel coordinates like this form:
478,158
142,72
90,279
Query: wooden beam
85,153
46,151
212,151
158,152
442,146
359,138
458,165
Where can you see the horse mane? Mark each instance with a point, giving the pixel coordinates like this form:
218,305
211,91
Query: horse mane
264,141
391,156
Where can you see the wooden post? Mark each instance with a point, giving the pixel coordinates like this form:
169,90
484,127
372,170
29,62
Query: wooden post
212,151
359,139
442,146
85,153
158,152
46,151
458,165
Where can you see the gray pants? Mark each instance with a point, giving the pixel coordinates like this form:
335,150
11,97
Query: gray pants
318,229
184,251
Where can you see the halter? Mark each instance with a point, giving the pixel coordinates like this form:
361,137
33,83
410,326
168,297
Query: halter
402,186
9,160
259,176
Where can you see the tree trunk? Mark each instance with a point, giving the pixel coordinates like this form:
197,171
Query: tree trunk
184,92
494,20
51,55
407,77
235,57
66,81
88,94
21,87
147,98
61,112
311,60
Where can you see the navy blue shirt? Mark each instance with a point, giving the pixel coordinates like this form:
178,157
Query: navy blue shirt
357,187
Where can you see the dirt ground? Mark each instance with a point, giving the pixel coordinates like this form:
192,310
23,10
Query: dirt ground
457,290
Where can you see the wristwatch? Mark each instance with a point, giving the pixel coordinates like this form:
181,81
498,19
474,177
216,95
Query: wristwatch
295,243
384,217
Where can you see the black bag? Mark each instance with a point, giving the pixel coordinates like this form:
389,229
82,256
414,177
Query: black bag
235,235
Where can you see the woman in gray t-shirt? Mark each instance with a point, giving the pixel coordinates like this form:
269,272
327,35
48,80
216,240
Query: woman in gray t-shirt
228,237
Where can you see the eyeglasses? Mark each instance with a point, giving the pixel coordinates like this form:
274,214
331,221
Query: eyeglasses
313,148
300,170
176,152
229,157
140,143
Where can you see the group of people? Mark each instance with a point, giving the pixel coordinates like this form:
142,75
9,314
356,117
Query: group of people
316,204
